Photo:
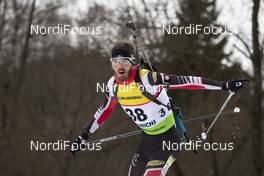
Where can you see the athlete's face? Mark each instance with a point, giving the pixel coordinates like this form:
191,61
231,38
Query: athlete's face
122,69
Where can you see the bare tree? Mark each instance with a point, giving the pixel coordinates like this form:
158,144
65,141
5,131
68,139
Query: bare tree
255,54
257,120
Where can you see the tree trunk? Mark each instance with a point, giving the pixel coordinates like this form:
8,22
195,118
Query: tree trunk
256,120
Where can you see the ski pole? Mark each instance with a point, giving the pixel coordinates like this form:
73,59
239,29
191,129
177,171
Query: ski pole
204,117
204,134
134,133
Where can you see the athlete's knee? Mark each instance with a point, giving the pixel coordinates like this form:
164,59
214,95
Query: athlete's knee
154,168
137,167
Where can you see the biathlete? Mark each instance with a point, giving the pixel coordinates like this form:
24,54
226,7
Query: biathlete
142,95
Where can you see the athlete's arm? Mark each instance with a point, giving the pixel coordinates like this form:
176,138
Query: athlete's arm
102,113
100,116
192,82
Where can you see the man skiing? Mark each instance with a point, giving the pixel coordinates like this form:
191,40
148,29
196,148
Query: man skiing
142,95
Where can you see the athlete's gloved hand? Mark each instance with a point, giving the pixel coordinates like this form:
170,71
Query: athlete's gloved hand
77,143
233,85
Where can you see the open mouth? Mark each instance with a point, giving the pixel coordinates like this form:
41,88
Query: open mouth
121,72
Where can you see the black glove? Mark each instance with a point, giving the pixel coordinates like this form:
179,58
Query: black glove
233,85
77,143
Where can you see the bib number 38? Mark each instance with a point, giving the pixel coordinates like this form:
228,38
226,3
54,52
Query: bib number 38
138,114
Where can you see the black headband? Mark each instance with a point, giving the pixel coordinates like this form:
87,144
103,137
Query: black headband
123,50
120,52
